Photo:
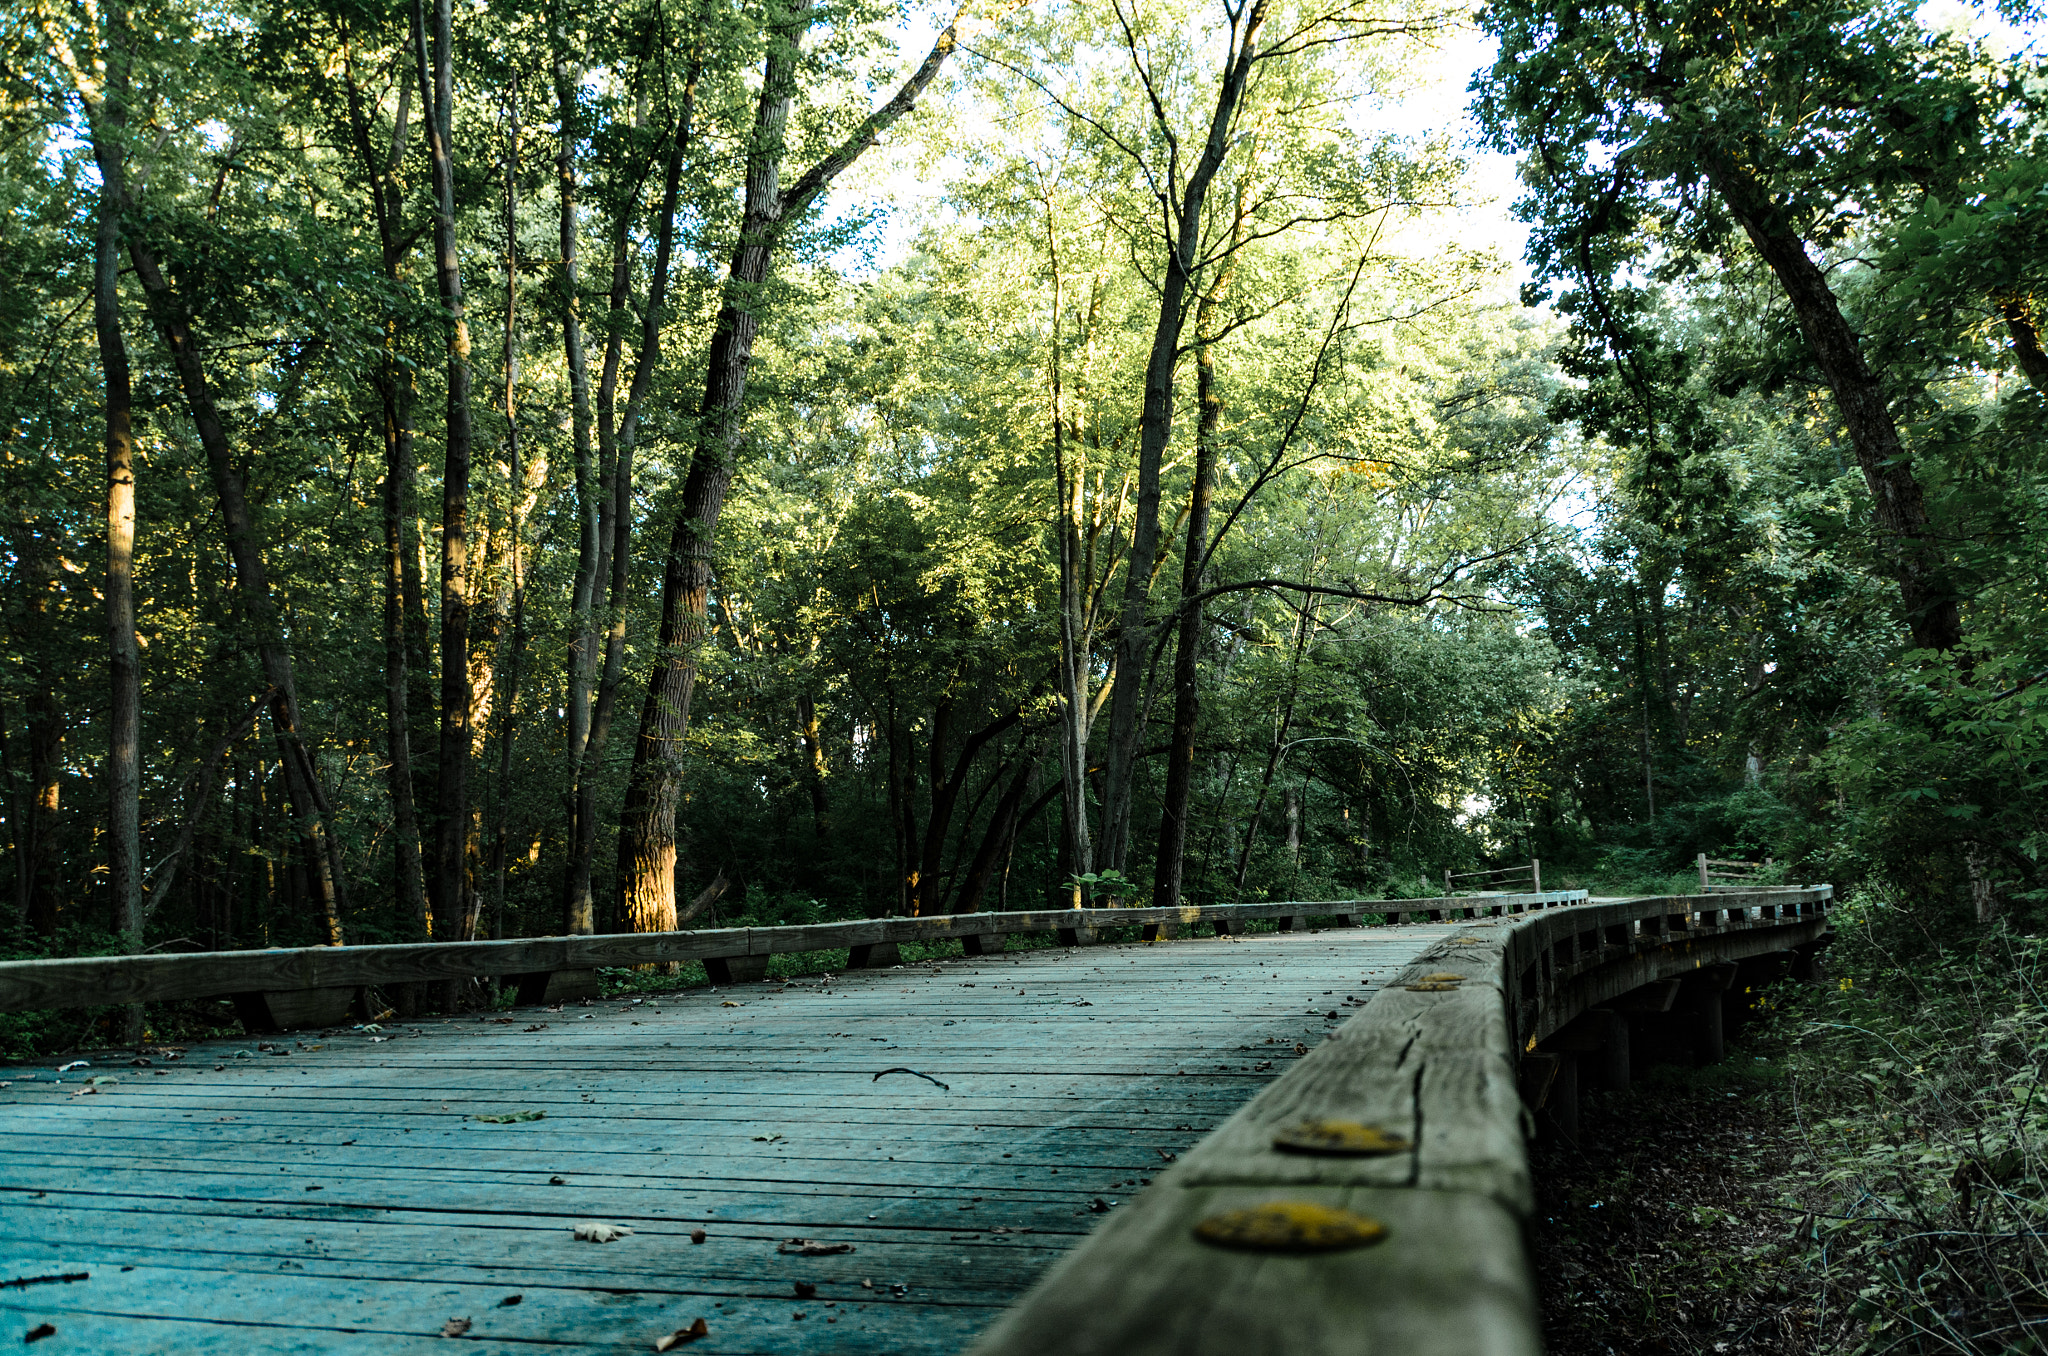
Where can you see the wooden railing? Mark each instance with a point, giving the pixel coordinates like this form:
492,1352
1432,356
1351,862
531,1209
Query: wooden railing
1496,880
1717,875
1405,1232
316,986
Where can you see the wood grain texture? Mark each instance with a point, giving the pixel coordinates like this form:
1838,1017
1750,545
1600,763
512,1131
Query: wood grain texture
1071,1077
1451,1277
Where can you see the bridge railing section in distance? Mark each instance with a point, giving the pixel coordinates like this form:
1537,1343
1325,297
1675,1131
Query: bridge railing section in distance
318,986
1372,1200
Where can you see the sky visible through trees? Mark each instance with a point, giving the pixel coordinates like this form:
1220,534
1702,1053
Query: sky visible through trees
481,470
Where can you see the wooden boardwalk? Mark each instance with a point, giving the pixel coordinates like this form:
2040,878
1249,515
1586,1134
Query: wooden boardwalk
344,1196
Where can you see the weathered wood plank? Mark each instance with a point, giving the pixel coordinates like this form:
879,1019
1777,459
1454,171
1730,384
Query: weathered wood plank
1451,1276
1086,1068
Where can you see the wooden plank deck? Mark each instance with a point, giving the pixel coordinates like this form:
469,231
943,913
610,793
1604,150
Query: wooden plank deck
342,1197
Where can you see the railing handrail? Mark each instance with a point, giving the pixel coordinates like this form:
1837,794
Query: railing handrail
91,981
1431,1062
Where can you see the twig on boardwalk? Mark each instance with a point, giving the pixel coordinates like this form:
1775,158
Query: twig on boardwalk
915,1074
65,1279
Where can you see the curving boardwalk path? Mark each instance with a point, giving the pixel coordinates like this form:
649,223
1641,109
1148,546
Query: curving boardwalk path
343,1197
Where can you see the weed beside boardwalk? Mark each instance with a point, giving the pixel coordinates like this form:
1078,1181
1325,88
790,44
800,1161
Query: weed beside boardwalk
1863,1175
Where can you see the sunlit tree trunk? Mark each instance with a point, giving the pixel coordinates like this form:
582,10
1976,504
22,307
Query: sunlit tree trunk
647,830
124,655
448,886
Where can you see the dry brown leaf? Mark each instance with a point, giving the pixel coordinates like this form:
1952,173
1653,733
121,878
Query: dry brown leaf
683,1335
593,1231
39,1332
455,1327
806,1247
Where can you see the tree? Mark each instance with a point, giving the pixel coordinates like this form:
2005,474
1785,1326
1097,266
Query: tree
647,850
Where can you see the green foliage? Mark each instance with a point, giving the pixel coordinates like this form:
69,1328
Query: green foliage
1925,1150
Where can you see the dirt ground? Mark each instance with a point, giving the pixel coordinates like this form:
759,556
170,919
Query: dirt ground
1658,1230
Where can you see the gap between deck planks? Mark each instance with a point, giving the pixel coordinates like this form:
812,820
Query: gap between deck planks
658,1116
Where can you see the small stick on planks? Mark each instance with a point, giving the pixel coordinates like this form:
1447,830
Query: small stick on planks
21,1282
914,1074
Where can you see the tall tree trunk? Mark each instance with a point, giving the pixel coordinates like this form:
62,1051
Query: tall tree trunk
647,830
402,587
124,655
612,562
1170,861
310,808
1155,430
515,489
1077,849
583,629
1912,549
448,886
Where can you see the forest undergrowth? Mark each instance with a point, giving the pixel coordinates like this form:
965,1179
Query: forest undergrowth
1864,1174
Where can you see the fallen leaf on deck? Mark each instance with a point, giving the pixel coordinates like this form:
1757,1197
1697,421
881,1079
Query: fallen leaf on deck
697,1235
766,1139
558,1181
85,1091
538,1026
805,1289
509,1301
805,1247
681,1335
1164,1156
592,1231
374,1040
512,1118
455,1327
728,1003
40,1331
74,1064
